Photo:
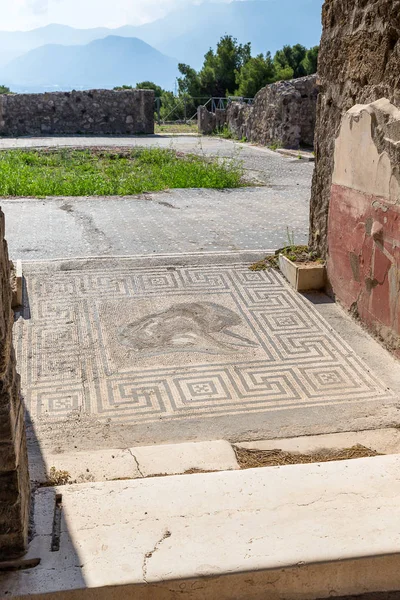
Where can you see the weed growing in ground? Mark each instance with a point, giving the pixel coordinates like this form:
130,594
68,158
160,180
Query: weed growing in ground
225,133
119,172
274,145
58,477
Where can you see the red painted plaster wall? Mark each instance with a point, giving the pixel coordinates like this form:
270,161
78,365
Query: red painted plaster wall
364,259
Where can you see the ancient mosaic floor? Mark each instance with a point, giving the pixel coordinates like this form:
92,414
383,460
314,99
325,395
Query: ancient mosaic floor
139,345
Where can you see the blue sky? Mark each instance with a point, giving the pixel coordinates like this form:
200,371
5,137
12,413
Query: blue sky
28,14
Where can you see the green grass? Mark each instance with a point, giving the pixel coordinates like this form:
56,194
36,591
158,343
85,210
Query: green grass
227,134
68,172
189,127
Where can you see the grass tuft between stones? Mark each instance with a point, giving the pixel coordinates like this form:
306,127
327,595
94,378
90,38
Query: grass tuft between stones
117,172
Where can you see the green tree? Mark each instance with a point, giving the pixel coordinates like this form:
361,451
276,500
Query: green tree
149,85
4,89
189,83
290,57
310,62
218,75
254,75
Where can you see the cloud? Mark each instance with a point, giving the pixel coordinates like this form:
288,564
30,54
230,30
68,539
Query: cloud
38,7
26,14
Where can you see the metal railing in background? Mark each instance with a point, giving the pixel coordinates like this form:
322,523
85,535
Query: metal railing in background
184,106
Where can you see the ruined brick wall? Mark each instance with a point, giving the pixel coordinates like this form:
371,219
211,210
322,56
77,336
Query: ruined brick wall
14,478
359,62
282,113
97,112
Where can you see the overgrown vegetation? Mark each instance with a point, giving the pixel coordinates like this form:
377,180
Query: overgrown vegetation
4,89
301,254
96,172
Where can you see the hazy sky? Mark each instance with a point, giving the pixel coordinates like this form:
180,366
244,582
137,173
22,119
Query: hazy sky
28,14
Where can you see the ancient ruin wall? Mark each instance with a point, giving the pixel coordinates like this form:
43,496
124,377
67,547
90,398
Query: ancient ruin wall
359,62
364,218
98,112
14,478
283,113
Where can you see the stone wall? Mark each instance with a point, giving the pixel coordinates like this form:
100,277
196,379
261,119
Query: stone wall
208,122
282,113
95,112
364,218
14,477
359,62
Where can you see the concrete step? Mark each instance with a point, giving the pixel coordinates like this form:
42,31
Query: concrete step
294,532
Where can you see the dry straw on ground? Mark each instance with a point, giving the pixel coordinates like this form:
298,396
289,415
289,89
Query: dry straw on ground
250,459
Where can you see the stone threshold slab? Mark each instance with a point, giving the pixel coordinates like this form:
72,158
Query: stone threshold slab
295,532
131,463
247,257
110,464
383,441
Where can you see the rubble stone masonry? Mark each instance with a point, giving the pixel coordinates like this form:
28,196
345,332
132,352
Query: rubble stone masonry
14,477
282,113
96,112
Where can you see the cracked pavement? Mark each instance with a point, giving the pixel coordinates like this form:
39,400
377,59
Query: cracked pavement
177,221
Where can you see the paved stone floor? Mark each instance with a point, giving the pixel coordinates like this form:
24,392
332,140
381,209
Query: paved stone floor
184,343
176,222
173,352
256,218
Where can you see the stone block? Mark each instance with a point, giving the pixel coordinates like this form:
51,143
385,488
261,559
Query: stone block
302,277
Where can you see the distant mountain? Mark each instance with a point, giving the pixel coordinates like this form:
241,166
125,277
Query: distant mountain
103,63
187,34
16,43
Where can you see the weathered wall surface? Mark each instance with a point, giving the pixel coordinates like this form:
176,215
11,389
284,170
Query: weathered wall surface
208,122
95,112
359,62
364,218
283,113
14,478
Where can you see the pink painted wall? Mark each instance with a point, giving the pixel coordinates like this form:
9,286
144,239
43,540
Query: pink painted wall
364,226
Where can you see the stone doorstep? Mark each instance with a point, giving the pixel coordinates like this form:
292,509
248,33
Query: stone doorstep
300,532
175,459
146,461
